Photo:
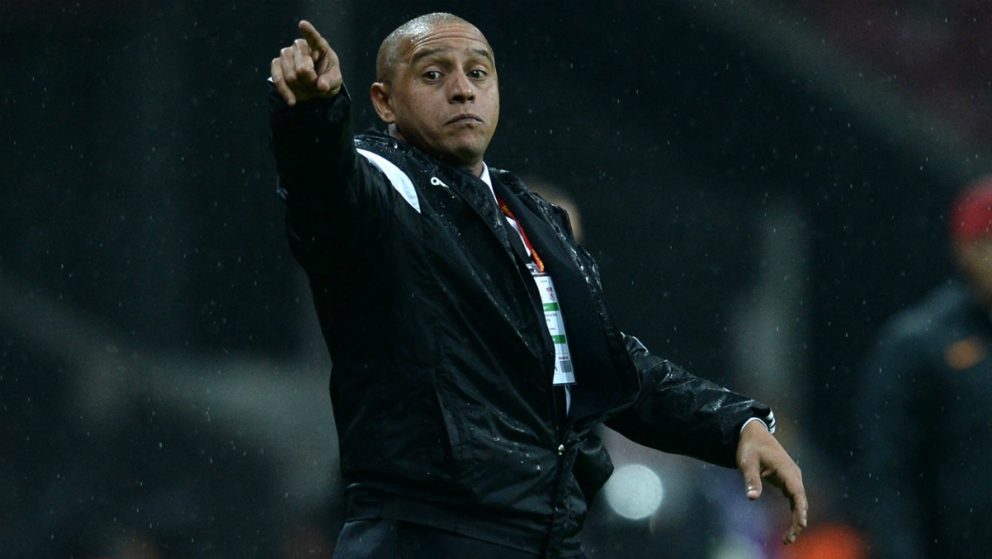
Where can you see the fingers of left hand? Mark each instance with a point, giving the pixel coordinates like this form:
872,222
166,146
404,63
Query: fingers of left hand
789,480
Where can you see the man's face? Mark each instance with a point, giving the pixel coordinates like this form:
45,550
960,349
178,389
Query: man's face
443,94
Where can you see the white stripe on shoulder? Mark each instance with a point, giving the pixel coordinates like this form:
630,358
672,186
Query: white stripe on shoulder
401,181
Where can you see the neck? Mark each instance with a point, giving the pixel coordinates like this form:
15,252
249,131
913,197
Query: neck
474,167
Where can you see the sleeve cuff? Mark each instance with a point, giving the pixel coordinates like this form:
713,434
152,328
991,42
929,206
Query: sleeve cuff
768,422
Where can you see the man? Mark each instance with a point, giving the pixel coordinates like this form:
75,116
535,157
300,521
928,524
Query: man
473,352
926,391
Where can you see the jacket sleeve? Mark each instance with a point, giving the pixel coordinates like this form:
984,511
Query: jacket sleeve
680,413
894,418
334,198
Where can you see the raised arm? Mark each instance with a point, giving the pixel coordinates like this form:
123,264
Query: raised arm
334,199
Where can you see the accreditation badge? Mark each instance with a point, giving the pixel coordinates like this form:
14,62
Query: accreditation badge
564,373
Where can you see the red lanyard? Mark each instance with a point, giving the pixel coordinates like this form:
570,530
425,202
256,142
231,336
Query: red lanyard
523,235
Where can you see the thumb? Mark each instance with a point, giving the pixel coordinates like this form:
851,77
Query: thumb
752,477
753,486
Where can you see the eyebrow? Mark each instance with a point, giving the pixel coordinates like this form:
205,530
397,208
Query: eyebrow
433,51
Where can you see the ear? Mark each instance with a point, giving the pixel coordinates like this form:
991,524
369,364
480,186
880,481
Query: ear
380,101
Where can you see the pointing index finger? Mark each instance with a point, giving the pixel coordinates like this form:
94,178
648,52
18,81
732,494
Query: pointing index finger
313,37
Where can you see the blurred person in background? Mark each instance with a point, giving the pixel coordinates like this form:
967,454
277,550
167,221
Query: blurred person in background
473,351
925,408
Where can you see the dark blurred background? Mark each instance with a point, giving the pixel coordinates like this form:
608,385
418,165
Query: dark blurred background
763,184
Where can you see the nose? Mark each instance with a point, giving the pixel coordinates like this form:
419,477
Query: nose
461,89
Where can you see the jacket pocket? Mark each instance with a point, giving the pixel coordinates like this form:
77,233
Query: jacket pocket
492,456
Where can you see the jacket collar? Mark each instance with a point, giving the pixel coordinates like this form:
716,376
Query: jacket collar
473,190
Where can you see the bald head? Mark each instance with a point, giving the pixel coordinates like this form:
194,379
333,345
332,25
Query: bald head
438,90
391,49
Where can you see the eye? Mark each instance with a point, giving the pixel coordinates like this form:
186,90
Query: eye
432,75
477,74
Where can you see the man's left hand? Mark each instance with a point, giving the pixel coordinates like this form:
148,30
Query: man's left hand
759,455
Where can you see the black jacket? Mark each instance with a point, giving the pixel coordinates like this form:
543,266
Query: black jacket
925,430
441,386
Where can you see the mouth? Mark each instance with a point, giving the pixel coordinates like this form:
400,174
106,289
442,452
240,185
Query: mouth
466,118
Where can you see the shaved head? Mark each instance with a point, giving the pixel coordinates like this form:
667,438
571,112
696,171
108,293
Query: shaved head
437,88
390,49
